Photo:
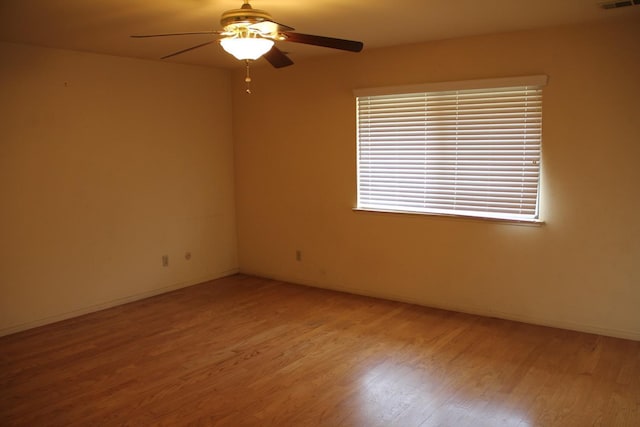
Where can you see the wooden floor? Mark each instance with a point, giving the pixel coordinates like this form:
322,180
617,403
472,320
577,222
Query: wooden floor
244,351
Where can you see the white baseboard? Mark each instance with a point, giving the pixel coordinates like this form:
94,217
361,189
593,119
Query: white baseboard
108,304
480,311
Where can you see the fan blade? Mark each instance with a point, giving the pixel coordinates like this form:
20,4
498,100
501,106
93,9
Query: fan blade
187,50
142,36
266,27
282,27
350,45
277,58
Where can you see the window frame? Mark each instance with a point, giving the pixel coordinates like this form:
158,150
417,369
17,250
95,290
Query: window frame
538,81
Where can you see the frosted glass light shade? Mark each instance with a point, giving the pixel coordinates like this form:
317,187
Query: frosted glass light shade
246,48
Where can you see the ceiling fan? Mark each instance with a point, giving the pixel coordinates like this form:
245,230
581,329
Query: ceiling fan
249,34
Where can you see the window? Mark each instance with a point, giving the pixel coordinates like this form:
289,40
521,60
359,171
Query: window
468,148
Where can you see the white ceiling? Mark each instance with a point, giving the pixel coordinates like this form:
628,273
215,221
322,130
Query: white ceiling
104,26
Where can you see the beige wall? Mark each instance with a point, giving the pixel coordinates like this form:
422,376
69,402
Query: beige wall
295,180
106,164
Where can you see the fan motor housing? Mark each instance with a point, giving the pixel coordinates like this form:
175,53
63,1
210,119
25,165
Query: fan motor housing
245,15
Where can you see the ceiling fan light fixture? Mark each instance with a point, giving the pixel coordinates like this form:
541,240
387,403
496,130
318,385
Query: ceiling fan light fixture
244,48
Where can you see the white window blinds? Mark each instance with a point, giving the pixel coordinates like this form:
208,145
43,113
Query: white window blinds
473,152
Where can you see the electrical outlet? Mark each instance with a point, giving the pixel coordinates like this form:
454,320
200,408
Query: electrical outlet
298,255
165,260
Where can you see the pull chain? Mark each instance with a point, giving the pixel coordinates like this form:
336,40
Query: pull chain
247,79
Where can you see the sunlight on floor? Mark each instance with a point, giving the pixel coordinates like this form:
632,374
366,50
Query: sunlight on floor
396,394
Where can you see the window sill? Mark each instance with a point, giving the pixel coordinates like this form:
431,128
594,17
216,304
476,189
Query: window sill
509,221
